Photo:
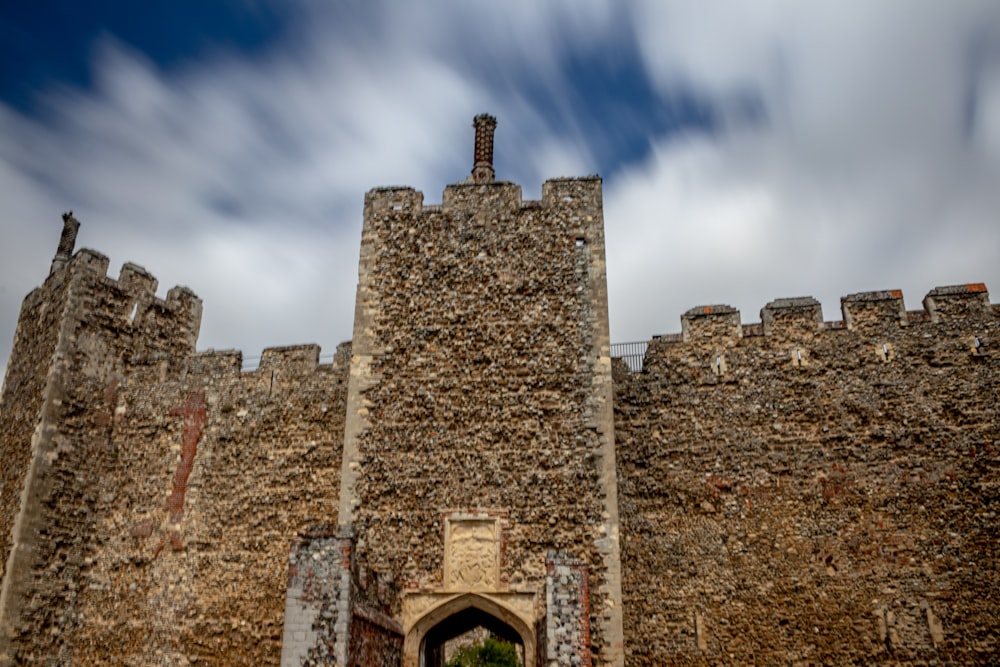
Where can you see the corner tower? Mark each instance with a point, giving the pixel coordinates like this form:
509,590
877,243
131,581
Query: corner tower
81,339
479,466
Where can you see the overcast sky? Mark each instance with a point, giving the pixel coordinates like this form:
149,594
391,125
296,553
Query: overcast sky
749,150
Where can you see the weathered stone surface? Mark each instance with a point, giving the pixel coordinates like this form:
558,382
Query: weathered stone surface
567,612
163,487
791,491
481,384
336,612
829,497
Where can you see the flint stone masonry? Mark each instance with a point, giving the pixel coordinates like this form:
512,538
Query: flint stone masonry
481,383
376,637
567,603
154,491
316,608
821,501
336,613
791,491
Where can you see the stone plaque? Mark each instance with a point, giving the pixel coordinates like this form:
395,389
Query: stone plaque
472,554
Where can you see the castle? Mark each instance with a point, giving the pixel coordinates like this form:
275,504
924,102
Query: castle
793,491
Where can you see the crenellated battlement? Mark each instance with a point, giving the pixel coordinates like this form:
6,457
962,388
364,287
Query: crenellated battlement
137,282
386,200
719,322
785,490
498,197
90,260
130,301
834,456
284,362
870,318
293,358
873,311
959,302
573,193
792,316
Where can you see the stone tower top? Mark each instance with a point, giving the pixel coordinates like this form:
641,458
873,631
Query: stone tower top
67,241
482,161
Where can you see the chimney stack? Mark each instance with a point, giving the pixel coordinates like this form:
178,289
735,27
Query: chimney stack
482,161
67,241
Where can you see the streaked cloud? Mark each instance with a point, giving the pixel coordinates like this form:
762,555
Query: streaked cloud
790,148
869,172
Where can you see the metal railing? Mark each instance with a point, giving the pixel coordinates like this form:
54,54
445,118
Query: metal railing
632,353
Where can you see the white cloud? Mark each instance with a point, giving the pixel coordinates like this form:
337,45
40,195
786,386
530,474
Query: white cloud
243,177
985,131
864,176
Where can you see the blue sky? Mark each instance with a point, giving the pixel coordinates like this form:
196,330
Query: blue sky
749,150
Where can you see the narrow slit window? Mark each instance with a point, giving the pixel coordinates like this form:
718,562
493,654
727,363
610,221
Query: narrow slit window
885,352
719,367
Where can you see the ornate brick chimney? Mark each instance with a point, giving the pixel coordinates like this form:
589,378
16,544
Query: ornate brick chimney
482,161
67,241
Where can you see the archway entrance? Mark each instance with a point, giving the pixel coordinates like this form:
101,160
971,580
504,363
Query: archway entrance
465,627
467,616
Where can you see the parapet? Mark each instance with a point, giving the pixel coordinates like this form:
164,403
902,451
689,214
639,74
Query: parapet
217,363
879,312
958,302
136,281
133,302
90,261
584,192
287,369
380,201
290,359
342,357
482,195
792,315
876,311
720,322
497,197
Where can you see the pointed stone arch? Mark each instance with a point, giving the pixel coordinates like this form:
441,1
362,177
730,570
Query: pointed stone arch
469,609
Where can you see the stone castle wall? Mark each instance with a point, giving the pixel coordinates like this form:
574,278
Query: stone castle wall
25,394
338,613
791,492
483,385
164,487
800,492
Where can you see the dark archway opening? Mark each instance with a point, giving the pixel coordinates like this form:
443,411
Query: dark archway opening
470,624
